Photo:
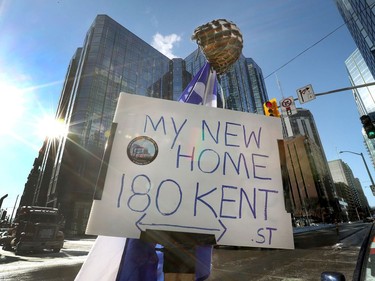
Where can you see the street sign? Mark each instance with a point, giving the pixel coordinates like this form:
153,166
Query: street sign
306,94
288,106
187,168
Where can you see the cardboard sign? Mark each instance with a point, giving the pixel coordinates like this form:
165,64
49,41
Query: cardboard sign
187,168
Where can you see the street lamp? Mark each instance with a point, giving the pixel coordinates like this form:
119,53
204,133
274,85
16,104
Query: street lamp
368,171
363,158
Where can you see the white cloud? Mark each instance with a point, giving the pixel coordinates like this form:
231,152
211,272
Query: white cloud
165,44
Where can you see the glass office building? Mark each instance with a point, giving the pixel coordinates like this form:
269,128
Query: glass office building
359,17
360,74
364,97
113,60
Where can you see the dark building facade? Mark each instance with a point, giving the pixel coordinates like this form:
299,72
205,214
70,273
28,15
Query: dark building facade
359,17
303,123
29,191
308,190
113,60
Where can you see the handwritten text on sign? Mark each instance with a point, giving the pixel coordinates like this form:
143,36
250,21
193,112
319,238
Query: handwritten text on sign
188,168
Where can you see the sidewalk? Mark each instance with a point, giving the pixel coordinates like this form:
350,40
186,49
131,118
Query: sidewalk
301,229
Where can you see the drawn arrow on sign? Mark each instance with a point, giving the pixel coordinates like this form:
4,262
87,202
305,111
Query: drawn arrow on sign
222,228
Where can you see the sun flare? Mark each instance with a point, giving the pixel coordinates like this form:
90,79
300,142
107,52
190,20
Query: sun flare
50,127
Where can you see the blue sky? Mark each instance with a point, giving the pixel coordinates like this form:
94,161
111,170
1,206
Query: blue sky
39,37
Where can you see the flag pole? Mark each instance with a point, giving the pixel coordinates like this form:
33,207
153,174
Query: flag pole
210,86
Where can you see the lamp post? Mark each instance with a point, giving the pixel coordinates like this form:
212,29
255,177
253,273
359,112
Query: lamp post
367,169
363,158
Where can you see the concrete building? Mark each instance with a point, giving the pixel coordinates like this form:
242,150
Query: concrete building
349,190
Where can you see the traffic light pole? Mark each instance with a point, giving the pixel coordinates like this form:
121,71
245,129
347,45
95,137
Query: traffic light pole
343,89
346,89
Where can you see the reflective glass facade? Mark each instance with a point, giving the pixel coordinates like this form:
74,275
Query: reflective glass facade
112,60
302,123
259,93
359,17
180,77
359,74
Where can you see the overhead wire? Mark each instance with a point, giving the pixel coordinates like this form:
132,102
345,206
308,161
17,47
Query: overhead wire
316,43
304,51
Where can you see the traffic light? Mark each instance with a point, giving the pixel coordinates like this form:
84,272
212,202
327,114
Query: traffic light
368,126
270,108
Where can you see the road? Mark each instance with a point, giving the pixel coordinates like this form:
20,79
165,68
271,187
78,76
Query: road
315,252
45,266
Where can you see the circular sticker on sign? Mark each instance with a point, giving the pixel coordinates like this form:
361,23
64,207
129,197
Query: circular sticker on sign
142,150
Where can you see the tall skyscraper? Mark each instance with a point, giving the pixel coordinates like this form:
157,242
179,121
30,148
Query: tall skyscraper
308,194
302,123
304,149
349,189
113,60
360,74
259,93
362,200
359,17
364,98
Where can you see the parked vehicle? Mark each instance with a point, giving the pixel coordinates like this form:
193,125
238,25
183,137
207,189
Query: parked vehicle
34,229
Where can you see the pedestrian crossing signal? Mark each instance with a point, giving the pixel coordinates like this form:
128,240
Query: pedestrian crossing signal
270,108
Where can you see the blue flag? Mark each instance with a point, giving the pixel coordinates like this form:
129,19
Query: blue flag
202,89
